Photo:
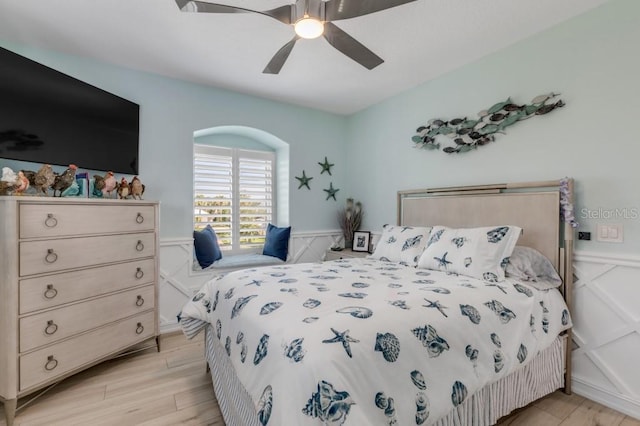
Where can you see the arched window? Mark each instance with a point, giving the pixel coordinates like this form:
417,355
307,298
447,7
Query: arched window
237,185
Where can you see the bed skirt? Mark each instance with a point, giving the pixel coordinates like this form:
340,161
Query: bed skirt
542,376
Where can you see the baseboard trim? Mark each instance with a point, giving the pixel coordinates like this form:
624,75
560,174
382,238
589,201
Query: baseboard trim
605,397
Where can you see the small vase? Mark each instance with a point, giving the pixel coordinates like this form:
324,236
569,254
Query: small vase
348,244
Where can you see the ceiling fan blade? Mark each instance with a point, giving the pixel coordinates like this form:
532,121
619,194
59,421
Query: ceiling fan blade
351,47
282,14
275,64
345,9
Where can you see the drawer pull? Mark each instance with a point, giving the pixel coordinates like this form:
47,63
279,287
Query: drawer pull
139,273
51,256
50,221
51,364
51,328
50,292
139,246
139,218
139,301
139,328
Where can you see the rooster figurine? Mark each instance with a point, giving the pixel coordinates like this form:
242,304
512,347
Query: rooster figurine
23,183
64,181
123,189
110,183
137,188
44,178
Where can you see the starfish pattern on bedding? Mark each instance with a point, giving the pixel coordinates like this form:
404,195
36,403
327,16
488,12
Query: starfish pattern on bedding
436,305
344,338
442,261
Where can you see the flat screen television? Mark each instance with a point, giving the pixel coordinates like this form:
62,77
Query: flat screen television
49,117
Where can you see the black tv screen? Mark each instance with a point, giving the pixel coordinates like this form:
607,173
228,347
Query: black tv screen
49,117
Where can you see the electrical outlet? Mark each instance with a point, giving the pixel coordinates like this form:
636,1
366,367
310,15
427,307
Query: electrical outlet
584,236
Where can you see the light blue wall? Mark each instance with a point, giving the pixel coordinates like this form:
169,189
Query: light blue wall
592,60
172,110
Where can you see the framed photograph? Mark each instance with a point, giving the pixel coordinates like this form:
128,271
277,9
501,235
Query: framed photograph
361,241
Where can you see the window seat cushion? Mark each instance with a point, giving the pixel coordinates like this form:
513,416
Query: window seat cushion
239,261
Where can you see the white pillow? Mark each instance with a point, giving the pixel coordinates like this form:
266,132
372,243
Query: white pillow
401,244
475,252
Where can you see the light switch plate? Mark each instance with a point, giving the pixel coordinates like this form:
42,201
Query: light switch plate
609,232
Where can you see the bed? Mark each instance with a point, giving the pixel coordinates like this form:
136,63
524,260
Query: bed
411,340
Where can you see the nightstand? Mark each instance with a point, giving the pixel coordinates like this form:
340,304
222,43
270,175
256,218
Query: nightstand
344,254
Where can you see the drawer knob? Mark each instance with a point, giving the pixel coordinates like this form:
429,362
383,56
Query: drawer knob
51,328
50,292
50,221
51,256
139,246
139,273
51,364
139,328
139,218
139,301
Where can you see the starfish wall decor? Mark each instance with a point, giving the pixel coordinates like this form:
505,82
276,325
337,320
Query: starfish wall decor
331,192
304,180
326,166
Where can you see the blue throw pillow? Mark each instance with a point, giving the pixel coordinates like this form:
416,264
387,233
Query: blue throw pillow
206,244
276,243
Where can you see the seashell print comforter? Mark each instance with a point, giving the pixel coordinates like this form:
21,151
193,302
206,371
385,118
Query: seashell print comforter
362,341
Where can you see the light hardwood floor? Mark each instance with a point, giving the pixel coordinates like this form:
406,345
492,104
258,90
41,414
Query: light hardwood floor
172,388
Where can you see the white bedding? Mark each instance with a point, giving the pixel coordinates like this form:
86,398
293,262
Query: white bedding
361,341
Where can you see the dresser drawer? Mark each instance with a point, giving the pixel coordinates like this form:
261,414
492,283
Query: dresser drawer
56,360
56,220
53,290
56,255
51,326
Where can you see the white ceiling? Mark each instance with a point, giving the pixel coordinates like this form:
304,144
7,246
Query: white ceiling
419,41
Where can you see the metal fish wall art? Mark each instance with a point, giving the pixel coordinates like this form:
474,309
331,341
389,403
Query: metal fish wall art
468,134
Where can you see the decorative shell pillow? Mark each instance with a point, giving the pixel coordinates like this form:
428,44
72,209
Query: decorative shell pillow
475,252
402,244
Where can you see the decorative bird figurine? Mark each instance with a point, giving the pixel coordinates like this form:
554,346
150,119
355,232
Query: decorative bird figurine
44,178
23,183
98,185
123,189
137,188
64,181
110,183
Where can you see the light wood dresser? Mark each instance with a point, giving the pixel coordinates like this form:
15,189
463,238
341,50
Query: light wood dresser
78,285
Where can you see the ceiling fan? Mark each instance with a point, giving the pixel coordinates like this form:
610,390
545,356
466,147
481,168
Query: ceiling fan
311,19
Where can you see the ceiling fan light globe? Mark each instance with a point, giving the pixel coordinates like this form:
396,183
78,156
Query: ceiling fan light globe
309,28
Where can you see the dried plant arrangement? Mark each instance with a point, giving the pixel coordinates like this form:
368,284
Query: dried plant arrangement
350,219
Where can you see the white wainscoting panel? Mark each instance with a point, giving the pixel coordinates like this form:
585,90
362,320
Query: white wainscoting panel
606,333
178,281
